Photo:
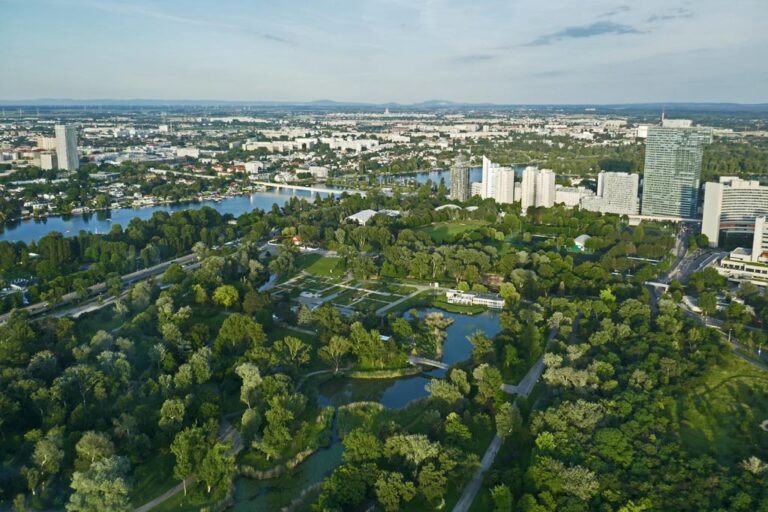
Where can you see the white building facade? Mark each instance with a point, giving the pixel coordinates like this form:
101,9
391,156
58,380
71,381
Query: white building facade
732,205
66,147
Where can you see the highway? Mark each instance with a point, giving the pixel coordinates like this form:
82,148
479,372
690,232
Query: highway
40,308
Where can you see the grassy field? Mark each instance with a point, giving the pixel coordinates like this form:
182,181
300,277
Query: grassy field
721,414
440,231
319,265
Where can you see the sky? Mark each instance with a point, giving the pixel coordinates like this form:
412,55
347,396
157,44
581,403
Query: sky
499,51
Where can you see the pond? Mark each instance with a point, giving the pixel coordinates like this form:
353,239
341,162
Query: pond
276,493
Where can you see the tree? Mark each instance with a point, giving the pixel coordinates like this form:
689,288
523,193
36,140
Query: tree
217,467
415,448
94,446
333,353
251,377
172,414
103,487
456,430
292,351
502,498
482,347
174,274
47,456
708,303
226,295
392,490
432,484
187,447
508,419
360,446
440,389
305,315
489,383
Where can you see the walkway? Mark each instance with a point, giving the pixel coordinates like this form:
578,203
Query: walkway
416,360
419,288
527,383
226,433
470,491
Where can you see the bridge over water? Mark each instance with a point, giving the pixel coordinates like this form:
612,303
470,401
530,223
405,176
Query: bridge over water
416,360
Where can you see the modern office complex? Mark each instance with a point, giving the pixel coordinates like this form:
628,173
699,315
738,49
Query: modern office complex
498,182
538,188
66,147
617,192
673,156
749,265
731,206
460,184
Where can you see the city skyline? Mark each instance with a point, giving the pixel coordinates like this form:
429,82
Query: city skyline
404,51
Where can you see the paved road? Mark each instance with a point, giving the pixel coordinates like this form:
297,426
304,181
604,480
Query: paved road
470,491
128,279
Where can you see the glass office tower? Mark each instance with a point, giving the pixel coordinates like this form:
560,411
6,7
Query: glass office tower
673,170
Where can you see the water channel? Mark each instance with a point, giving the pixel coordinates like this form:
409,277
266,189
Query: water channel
274,494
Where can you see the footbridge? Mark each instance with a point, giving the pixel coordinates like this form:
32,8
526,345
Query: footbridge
416,360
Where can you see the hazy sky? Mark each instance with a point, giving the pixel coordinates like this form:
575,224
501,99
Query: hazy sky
503,51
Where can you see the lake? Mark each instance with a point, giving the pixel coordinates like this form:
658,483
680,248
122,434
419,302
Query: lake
102,221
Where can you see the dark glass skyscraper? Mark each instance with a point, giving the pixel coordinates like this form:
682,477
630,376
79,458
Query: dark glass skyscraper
673,170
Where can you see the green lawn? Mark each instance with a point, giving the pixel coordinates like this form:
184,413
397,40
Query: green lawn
440,231
319,265
721,414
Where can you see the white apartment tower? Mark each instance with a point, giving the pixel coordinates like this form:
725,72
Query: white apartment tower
538,188
498,182
617,192
66,147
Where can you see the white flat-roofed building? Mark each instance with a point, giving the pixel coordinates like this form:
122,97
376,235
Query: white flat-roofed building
490,300
732,205
571,196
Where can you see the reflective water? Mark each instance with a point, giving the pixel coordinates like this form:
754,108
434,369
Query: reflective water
101,222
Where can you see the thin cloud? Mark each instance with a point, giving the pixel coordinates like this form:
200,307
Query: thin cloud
473,58
618,10
597,28
219,26
676,14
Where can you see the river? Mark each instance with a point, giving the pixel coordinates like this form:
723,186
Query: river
275,493
102,221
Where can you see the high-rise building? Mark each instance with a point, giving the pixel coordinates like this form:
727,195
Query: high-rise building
66,147
545,188
460,184
732,205
498,182
47,161
538,188
673,154
617,192
528,189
